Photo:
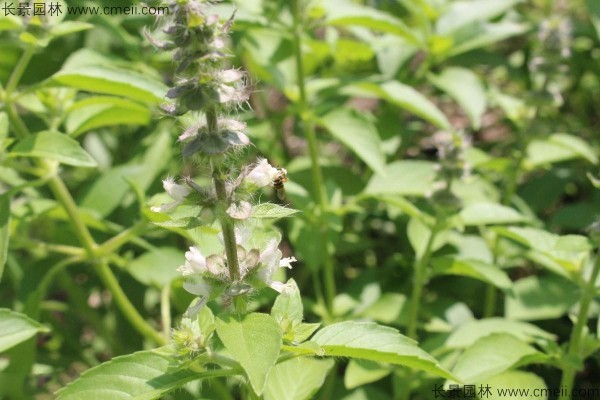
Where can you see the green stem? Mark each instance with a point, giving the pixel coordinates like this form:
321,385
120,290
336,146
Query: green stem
110,281
574,350
114,243
419,281
313,149
18,71
491,294
165,310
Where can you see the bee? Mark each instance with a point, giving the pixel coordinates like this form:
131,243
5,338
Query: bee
278,182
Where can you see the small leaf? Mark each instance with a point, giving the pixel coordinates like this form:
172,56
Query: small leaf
466,88
370,341
113,81
361,372
492,355
288,310
467,334
16,328
68,27
404,178
297,379
254,340
185,223
489,214
474,269
157,267
402,96
55,146
4,231
270,210
140,376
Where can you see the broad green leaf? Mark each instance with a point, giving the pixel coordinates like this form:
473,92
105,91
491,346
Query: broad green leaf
370,341
558,147
288,310
346,13
474,269
520,382
9,22
113,81
68,27
481,35
55,146
16,328
404,178
467,334
95,112
297,379
254,340
402,96
157,267
4,231
139,376
492,355
361,372
270,210
463,13
541,297
466,88
489,214
358,134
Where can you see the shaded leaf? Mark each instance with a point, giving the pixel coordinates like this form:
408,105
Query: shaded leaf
361,372
297,379
405,178
55,146
157,267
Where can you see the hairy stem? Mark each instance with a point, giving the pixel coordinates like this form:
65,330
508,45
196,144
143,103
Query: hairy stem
574,350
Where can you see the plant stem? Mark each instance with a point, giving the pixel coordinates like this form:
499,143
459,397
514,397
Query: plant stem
574,350
313,149
419,281
110,281
18,71
165,310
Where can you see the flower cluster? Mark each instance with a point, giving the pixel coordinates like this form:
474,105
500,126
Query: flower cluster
207,89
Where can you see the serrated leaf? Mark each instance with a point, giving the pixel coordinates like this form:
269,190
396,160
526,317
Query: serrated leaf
466,88
297,379
4,231
139,376
16,328
370,341
467,334
361,372
492,355
254,340
402,96
404,178
270,210
157,267
489,214
55,146
113,81
474,269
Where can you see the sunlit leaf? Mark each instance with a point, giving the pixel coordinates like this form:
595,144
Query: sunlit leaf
296,379
55,146
270,210
16,328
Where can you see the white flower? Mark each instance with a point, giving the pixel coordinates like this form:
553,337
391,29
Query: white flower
176,192
195,263
230,75
262,174
271,260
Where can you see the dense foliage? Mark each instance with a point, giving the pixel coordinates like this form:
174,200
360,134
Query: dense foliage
428,168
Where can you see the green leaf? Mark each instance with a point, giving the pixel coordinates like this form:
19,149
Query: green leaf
254,340
402,96
466,88
462,13
9,23
472,268
55,146
467,334
342,14
139,376
68,27
3,127
16,328
361,372
481,35
157,267
185,223
559,147
404,178
489,214
297,379
96,112
370,341
541,297
418,236
4,231
270,210
520,382
113,81
288,310
492,355
358,134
